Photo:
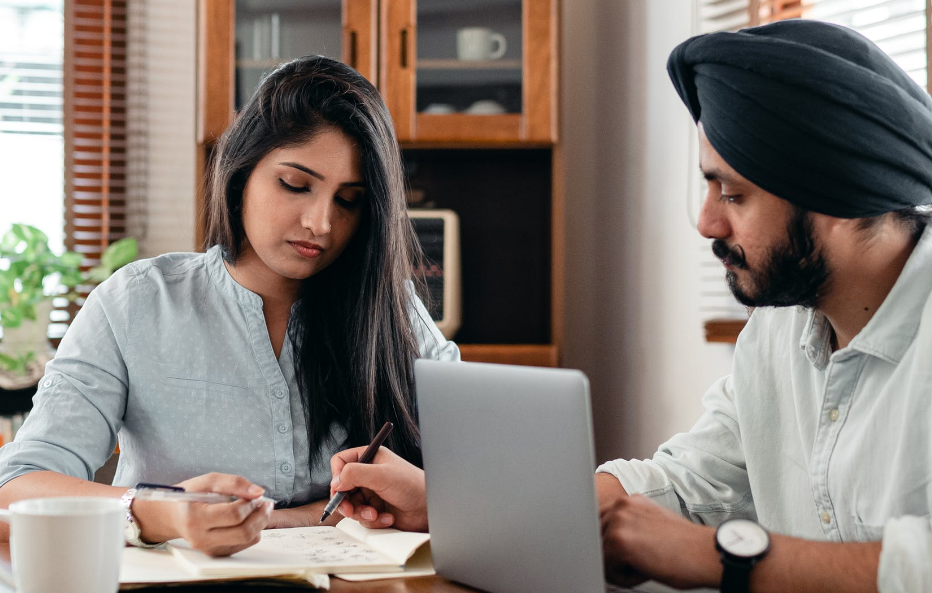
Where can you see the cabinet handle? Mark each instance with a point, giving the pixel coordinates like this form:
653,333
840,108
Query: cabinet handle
352,50
404,48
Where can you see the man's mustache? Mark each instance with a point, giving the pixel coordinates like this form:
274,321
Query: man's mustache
732,256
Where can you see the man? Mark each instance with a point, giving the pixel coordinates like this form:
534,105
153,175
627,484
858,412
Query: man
811,468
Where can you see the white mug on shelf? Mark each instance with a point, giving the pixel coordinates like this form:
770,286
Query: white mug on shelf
72,544
478,44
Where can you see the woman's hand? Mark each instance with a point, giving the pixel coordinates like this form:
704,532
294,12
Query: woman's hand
215,529
389,492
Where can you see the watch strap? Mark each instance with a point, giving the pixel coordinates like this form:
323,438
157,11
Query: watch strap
132,532
736,576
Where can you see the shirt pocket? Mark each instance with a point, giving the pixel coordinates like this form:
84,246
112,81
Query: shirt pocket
175,380
867,532
201,396
200,422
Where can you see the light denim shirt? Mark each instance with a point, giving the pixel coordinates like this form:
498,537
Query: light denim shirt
815,444
173,357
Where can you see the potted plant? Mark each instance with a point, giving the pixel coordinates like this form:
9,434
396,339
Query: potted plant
31,275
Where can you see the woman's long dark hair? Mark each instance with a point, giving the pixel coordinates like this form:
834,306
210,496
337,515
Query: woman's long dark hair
352,331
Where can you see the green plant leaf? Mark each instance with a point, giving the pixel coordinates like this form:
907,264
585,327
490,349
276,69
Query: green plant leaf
17,364
11,316
71,259
119,253
71,278
34,236
9,242
99,273
29,311
33,272
9,363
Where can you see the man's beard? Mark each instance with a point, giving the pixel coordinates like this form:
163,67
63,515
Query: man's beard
795,273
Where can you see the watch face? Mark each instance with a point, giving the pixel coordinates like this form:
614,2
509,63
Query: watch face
743,538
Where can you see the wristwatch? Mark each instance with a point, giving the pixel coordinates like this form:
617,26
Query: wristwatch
131,529
742,544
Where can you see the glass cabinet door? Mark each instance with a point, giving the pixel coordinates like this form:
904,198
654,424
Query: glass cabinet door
270,32
468,60
472,70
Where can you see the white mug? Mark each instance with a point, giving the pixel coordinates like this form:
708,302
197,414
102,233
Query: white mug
477,43
72,544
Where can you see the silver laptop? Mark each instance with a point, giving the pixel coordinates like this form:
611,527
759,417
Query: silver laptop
509,462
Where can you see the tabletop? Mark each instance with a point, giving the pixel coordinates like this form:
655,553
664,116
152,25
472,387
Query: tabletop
423,584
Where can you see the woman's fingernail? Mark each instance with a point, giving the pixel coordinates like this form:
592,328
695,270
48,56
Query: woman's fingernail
368,514
256,490
385,520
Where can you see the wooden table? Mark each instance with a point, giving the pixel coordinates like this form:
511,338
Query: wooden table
432,584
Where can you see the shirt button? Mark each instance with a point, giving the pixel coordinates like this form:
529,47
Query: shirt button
47,383
285,468
826,518
283,428
833,415
279,393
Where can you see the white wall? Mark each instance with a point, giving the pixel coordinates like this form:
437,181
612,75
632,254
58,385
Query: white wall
165,221
632,271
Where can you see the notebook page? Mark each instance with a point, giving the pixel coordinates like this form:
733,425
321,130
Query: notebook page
397,545
288,551
150,566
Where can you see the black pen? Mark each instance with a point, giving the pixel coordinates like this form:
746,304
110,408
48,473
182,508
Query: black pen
367,456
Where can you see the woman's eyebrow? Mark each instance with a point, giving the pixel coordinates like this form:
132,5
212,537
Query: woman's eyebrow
314,173
307,170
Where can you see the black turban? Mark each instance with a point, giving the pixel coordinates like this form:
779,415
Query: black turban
813,113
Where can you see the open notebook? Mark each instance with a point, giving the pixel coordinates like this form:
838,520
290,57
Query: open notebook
307,553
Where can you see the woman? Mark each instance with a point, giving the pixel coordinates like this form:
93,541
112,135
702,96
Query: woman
291,338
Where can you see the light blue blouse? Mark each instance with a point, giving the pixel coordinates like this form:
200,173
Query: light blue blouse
172,357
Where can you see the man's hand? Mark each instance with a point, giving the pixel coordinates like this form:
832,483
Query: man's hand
215,529
389,492
641,541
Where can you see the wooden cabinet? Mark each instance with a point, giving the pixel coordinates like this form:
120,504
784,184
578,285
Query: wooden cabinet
441,57
435,61
472,87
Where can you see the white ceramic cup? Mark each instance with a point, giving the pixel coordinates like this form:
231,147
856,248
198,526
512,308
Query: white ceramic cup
72,544
479,43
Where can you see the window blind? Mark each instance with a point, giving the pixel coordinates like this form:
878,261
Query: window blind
30,94
899,27
731,15
95,79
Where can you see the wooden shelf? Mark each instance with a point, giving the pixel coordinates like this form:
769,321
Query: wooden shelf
471,144
260,64
724,330
541,355
469,65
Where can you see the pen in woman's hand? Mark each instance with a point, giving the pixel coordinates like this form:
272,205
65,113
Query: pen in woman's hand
160,492
367,456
